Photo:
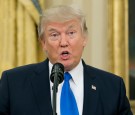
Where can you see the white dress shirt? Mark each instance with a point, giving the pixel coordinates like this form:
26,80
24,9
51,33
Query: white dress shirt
76,84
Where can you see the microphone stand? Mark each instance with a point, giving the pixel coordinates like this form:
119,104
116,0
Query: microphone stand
55,89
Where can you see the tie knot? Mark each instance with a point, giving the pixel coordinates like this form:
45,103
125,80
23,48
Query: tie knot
67,76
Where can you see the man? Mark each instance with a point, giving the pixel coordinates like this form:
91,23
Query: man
27,90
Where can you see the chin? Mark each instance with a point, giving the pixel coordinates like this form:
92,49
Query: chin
67,64
68,67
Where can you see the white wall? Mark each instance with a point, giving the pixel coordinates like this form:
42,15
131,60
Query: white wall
96,51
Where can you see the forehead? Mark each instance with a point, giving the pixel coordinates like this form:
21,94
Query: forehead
50,26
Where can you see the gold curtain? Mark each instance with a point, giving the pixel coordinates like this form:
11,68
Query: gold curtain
118,41
18,34
7,37
26,37
118,38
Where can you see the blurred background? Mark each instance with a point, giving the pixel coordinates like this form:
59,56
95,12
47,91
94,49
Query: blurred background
111,44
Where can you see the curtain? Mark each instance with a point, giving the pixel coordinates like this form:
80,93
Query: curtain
18,34
118,38
7,35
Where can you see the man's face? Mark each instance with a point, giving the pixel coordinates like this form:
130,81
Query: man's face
64,43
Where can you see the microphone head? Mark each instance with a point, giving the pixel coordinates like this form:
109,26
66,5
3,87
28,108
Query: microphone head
57,69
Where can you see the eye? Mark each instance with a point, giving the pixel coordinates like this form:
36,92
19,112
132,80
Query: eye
72,33
54,36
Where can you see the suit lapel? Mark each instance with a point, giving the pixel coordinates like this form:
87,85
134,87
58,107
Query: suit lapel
41,88
90,92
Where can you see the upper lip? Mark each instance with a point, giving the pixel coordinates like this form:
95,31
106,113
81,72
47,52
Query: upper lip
65,52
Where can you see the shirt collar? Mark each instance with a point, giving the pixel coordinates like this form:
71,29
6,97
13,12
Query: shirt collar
76,73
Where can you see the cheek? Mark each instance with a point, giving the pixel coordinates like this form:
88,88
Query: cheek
50,46
77,48
46,46
79,44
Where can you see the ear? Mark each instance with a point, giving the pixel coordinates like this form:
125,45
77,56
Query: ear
85,41
43,44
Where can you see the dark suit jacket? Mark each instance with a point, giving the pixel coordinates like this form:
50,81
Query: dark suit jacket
26,91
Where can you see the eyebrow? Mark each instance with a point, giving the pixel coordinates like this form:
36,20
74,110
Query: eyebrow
72,26
52,29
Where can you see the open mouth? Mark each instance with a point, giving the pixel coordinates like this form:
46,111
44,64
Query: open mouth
65,55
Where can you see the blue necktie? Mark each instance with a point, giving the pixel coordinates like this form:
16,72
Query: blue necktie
68,104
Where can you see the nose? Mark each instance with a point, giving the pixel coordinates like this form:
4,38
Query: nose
64,41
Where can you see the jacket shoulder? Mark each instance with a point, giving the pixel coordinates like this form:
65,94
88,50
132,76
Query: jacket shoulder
101,74
25,70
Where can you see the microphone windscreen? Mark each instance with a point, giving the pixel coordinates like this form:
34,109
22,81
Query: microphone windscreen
58,70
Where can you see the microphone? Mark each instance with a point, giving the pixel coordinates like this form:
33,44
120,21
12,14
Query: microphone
57,76
57,71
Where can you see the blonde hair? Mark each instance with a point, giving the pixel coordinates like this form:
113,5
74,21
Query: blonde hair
61,14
